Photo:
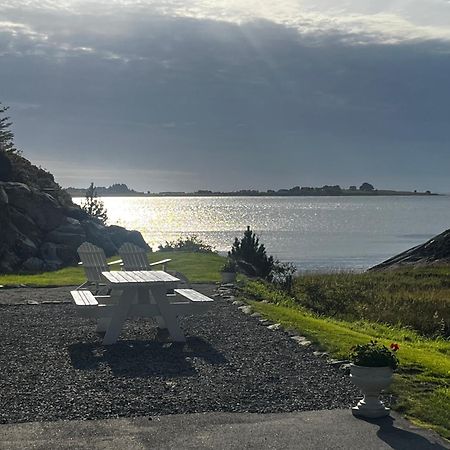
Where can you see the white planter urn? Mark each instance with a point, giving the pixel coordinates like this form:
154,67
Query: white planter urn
228,277
371,381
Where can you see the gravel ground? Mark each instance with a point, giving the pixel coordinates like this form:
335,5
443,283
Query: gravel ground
53,366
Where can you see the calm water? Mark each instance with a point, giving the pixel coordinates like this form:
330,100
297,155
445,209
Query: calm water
316,233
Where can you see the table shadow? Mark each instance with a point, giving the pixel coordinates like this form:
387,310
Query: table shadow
400,439
145,359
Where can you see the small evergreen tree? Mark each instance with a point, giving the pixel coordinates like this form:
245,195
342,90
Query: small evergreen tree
6,135
250,254
93,206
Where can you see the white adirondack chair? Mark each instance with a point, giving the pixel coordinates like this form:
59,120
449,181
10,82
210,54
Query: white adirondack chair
135,258
93,260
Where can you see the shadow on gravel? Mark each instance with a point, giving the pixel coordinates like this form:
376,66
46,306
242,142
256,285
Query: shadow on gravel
400,439
145,359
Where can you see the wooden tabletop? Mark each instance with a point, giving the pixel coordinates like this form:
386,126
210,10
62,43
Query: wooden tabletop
125,277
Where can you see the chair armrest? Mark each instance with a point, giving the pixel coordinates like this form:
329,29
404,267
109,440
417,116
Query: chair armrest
163,261
109,264
117,261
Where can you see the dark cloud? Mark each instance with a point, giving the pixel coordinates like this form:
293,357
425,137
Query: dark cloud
229,106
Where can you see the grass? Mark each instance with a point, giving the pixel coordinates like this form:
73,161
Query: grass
418,298
421,386
197,267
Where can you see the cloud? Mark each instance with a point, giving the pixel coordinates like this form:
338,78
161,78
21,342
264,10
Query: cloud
226,94
94,23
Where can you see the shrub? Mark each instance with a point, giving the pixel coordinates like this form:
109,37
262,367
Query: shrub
282,275
190,243
93,206
251,256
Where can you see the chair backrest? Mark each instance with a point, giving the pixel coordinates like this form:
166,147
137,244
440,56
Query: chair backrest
133,257
94,261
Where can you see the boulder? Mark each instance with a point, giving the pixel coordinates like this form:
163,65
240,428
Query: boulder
99,236
25,247
42,208
48,253
120,235
25,224
3,196
8,260
5,168
71,234
434,251
76,212
33,265
40,227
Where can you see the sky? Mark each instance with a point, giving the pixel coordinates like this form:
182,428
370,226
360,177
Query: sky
181,95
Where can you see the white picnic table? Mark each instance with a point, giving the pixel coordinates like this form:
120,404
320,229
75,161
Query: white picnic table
144,293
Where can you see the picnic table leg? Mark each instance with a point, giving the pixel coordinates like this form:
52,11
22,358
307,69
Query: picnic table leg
158,294
118,318
103,322
145,296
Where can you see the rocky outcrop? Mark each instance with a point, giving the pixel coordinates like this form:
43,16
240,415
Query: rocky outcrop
42,230
435,251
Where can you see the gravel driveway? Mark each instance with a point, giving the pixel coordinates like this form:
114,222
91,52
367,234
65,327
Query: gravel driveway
53,366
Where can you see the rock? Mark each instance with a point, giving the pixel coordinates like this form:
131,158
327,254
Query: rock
48,253
275,326
33,264
25,247
120,235
337,362
8,261
434,251
40,227
301,340
25,224
39,206
98,235
76,213
5,168
246,309
3,196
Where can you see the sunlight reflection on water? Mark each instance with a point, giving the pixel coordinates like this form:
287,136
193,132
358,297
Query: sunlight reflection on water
316,233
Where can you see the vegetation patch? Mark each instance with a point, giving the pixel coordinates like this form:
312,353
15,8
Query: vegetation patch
197,267
421,384
418,298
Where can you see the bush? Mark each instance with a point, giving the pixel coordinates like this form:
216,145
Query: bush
251,256
282,275
189,243
93,206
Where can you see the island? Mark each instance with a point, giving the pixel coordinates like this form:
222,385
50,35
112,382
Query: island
366,189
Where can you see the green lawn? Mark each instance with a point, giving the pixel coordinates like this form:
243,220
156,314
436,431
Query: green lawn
197,267
421,385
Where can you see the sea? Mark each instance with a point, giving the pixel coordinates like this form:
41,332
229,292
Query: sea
317,234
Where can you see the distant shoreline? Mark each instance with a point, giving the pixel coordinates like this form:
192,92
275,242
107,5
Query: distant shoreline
377,193
263,194
366,189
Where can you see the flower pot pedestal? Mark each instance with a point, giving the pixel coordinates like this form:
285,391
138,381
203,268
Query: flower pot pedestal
371,381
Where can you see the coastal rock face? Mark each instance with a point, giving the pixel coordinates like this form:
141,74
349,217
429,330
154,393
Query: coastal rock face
42,229
434,251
